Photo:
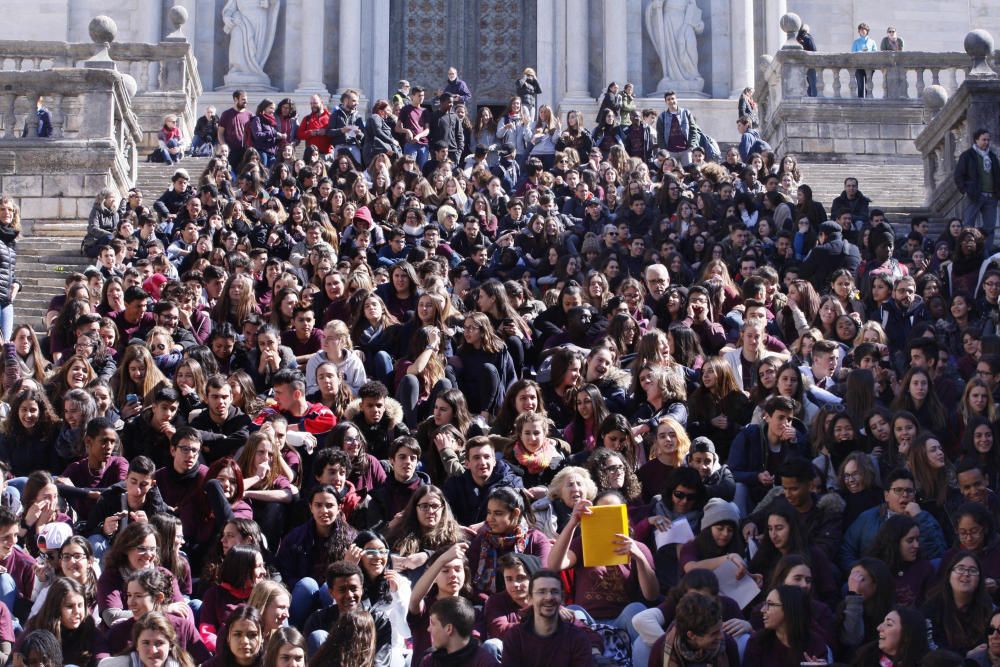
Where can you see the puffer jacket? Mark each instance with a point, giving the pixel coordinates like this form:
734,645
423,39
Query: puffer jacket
8,264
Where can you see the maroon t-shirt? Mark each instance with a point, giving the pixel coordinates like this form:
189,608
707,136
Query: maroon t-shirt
299,347
414,119
604,591
234,124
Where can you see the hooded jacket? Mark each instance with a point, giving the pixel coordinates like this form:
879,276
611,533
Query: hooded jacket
468,500
748,455
378,436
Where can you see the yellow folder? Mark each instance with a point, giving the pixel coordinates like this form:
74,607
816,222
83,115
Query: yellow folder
597,532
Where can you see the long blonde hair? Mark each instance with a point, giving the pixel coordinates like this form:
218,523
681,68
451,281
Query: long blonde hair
249,454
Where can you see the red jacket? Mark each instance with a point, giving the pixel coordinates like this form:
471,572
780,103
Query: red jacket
316,122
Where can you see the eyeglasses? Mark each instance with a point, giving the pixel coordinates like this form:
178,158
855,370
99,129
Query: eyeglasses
680,495
992,283
656,281
352,440
187,449
975,532
851,475
373,553
903,490
146,551
772,605
963,571
430,508
614,469
74,558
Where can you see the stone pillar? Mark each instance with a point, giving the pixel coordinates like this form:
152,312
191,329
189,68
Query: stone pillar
577,49
742,37
349,52
615,42
311,76
545,52
775,37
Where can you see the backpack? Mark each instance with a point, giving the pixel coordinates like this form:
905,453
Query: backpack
617,645
711,148
760,146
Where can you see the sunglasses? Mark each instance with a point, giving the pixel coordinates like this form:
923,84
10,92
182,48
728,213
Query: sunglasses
680,495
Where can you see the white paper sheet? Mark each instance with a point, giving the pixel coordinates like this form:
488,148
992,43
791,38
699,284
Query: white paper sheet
743,591
679,533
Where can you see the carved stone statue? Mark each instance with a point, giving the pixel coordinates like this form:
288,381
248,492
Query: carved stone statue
251,25
673,26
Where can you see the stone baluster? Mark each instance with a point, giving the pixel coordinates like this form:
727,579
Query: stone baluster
24,109
7,114
55,109
837,89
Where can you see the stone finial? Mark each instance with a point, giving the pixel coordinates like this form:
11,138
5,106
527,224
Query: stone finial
979,45
131,85
178,16
935,97
103,31
791,23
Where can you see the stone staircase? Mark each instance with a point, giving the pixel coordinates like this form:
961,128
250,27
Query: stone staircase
897,189
48,250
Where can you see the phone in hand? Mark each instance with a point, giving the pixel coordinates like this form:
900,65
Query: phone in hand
131,398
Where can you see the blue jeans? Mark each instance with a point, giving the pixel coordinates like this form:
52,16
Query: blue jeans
421,151
381,367
7,320
985,206
811,83
622,622
307,595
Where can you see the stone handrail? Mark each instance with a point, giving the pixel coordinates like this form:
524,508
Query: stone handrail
91,113
166,73
949,132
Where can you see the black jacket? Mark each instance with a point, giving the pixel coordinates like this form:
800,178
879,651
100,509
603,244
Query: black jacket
8,263
857,206
446,127
527,89
224,439
826,258
967,173
379,139
113,501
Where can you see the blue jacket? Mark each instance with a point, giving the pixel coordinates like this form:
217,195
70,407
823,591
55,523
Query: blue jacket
468,500
861,535
748,453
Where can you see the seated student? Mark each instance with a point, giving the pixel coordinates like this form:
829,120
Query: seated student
18,578
303,417
611,594
241,569
503,609
382,508
337,348
149,432
346,583
696,635
451,623
545,638
505,530
303,339
64,615
900,498
467,493
332,467
222,427
715,475
308,549
758,451
820,522
134,500
134,550
268,358
378,417
100,469
147,592
266,483
178,481
447,575
786,638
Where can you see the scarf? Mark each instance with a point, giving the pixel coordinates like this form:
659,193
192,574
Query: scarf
677,653
490,549
987,162
534,462
269,119
8,235
242,593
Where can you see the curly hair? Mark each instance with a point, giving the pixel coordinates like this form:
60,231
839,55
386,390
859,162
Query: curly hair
631,488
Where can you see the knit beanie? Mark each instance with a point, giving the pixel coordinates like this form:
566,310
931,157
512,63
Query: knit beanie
590,244
718,510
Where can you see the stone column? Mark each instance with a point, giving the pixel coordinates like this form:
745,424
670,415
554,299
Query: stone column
615,43
577,49
775,37
743,58
349,52
311,76
545,52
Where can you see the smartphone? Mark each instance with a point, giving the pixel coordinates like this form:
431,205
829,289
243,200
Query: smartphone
131,398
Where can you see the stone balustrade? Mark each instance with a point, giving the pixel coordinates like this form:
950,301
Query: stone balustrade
166,75
837,124
94,142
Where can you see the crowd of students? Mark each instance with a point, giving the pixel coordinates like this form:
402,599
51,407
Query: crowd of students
318,410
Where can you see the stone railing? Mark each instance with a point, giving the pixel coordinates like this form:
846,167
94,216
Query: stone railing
166,75
94,141
836,123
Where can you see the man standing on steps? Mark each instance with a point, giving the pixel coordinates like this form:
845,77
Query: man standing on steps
977,176
676,130
312,128
233,126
